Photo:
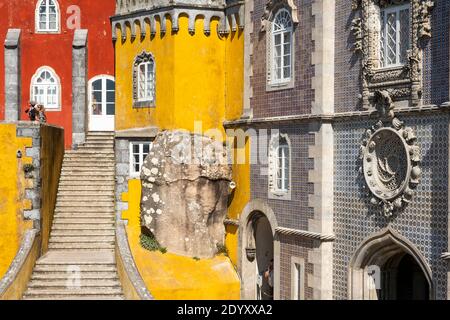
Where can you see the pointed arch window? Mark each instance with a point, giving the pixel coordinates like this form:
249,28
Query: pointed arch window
47,16
144,81
281,49
45,88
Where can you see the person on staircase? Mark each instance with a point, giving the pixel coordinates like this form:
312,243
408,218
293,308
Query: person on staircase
32,111
42,118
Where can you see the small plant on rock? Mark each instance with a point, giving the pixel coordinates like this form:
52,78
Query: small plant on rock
150,243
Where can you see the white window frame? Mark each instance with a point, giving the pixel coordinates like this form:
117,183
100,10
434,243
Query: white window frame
283,80
133,173
297,285
274,147
386,11
151,95
33,84
47,29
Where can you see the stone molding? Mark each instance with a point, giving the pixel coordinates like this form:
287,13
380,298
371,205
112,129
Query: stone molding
272,7
127,6
404,82
337,117
126,256
230,20
16,266
306,234
231,222
389,152
141,58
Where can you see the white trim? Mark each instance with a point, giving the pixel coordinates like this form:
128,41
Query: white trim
133,174
58,19
58,87
281,81
389,10
274,191
297,270
104,98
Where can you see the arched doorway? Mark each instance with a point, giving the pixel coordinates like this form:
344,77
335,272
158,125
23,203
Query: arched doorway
388,267
259,252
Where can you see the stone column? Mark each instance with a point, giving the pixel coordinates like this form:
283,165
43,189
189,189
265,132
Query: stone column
12,75
79,86
248,67
322,152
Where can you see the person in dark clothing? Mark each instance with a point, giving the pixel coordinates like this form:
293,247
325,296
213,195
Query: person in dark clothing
32,111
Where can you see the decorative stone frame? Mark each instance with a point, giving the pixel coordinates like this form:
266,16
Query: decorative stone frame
246,269
143,57
301,263
272,8
273,158
375,251
382,171
58,19
58,86
404,83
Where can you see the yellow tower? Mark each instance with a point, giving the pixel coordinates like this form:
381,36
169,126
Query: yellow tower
179,65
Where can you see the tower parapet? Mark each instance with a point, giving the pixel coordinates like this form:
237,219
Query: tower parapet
132,13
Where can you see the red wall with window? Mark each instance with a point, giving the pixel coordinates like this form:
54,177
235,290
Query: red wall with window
55,50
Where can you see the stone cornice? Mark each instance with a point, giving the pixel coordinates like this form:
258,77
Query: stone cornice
336,117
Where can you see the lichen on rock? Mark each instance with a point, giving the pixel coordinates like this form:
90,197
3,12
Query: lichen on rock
185,183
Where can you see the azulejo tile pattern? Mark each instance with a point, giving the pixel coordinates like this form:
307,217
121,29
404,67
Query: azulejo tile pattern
424,222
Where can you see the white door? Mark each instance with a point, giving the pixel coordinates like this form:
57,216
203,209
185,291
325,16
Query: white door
102,103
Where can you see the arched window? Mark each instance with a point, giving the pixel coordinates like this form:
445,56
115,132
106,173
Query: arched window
47,16
280,167
45,88
394,35
144,80
282,28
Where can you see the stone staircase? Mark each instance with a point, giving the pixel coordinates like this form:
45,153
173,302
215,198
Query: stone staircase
80,263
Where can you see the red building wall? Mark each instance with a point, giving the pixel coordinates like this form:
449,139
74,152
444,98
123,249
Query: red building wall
55,50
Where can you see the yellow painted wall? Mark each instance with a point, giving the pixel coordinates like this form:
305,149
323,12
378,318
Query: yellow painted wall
12,189
169,276
241,195
198,78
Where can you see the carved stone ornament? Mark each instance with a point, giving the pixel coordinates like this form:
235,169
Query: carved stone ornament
405,79
272,6
390,159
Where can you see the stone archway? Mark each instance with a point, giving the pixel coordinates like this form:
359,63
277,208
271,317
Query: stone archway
258,245
384,264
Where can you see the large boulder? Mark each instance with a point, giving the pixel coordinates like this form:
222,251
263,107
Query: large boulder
185,185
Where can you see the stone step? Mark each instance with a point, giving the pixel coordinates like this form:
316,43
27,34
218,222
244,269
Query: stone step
81,226
80,246
78,181
88,268
78,220
93,209
91,152
88,174
89,157
82,233
87,275
63,284
89,193
92,291
84,188
100,133
82,239
99,167
84,215
83,198
87,163
101,205
94,145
